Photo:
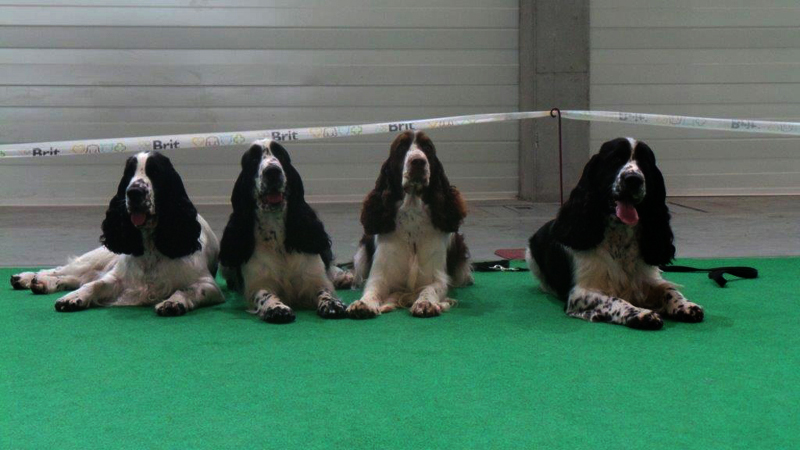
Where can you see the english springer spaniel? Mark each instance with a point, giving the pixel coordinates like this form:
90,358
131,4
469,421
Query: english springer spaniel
601,253
274,249
156,249
411,249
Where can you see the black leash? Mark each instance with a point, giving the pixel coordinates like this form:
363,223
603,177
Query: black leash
716,273
501,265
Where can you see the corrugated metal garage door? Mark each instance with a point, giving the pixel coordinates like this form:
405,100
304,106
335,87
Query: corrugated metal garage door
717,58
109,68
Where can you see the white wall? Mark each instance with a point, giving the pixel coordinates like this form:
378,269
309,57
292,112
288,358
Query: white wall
112,68
717,58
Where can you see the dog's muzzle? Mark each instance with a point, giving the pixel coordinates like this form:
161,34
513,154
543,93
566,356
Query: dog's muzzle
273,185
629,191
417,173
631,187
138,204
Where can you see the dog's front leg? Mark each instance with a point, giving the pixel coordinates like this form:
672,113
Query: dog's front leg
45,281
369,305
432,300
203,293
47,284
676,307
595,306
90,294
271,309
329,306
341,279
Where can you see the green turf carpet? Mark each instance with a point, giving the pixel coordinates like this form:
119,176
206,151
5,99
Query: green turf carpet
504,369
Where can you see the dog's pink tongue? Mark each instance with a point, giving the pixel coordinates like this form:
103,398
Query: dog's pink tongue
627,213
138,218
274,198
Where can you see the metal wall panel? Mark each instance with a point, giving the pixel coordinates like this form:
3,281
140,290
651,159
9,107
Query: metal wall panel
716,58
111,68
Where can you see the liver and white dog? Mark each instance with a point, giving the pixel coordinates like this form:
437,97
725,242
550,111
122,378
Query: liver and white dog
411,250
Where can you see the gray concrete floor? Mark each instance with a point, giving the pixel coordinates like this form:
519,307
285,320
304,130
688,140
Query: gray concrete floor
704,227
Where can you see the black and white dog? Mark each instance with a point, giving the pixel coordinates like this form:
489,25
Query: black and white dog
274,249
601,253
411,251
156,249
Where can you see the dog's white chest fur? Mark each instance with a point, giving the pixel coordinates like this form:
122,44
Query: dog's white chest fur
295,278
418,250
414,222
615,267
153,277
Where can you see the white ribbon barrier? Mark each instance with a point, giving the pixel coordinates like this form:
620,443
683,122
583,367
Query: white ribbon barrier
186,141
706,123
137,144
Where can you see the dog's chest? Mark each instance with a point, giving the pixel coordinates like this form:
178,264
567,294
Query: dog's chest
613,267
414,222
295,277
270,231
150,278
622,246
151,266
270,255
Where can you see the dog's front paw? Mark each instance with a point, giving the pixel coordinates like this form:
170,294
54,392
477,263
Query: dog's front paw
170,308
688,312
278,314
71,303
43,285
360,309
331,309
343,280
426,308
22,280
647,320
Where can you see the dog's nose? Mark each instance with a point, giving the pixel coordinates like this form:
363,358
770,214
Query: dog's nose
272,171
273,175
418,164
136,195
632,181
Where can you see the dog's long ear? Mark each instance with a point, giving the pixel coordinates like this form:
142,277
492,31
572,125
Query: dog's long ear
177,233
446,206
294,184
379,210
238,239
305,233
655,238
580,223
119,234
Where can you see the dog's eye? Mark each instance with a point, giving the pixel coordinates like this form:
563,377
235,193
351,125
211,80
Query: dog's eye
620,158
645,158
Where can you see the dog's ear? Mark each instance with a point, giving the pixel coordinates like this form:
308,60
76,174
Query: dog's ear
580,223
379,210
445,203
177,233
238,239
119,234
294,184
305,233
655,238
